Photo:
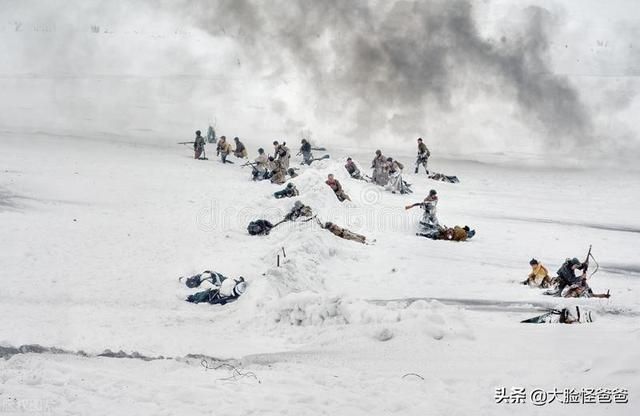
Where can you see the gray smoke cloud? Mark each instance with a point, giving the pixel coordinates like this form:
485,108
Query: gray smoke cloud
389,64
368,73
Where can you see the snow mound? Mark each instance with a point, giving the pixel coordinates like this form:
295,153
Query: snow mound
296,292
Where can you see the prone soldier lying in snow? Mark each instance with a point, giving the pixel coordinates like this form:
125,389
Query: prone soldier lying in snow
344,233
222,290
289,191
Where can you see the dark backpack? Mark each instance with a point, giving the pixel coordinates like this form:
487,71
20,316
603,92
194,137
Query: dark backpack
259,227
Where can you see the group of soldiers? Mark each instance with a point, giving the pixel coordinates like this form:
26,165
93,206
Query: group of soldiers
223,148
303,213
567,283
274,167
387,172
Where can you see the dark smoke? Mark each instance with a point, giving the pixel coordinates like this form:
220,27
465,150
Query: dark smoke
387,64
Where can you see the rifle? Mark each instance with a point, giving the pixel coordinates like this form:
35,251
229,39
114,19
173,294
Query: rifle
186,142
586,263
252,164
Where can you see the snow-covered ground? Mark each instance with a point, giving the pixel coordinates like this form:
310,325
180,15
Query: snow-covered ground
95,234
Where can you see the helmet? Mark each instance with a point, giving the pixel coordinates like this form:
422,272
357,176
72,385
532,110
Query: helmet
198,132
433,192
533,261
290,185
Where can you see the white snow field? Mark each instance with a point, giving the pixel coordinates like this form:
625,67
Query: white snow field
95,234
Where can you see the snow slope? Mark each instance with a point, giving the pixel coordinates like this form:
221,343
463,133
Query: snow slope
95,234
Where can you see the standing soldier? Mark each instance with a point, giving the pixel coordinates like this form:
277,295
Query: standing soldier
198,145
211,135
379,163
282,154
240,151
423,156
305,150
223,149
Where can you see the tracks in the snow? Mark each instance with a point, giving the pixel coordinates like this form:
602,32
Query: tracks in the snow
489,305
7,352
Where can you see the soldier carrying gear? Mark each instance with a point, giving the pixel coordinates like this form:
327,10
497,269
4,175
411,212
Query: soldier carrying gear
289,191
423,156
223,149
282,154
198,145
240,150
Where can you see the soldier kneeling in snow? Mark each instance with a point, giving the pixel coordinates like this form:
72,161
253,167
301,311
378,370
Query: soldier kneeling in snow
539,276
572,286
278,172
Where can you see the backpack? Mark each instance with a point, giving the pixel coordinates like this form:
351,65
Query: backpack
259,227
